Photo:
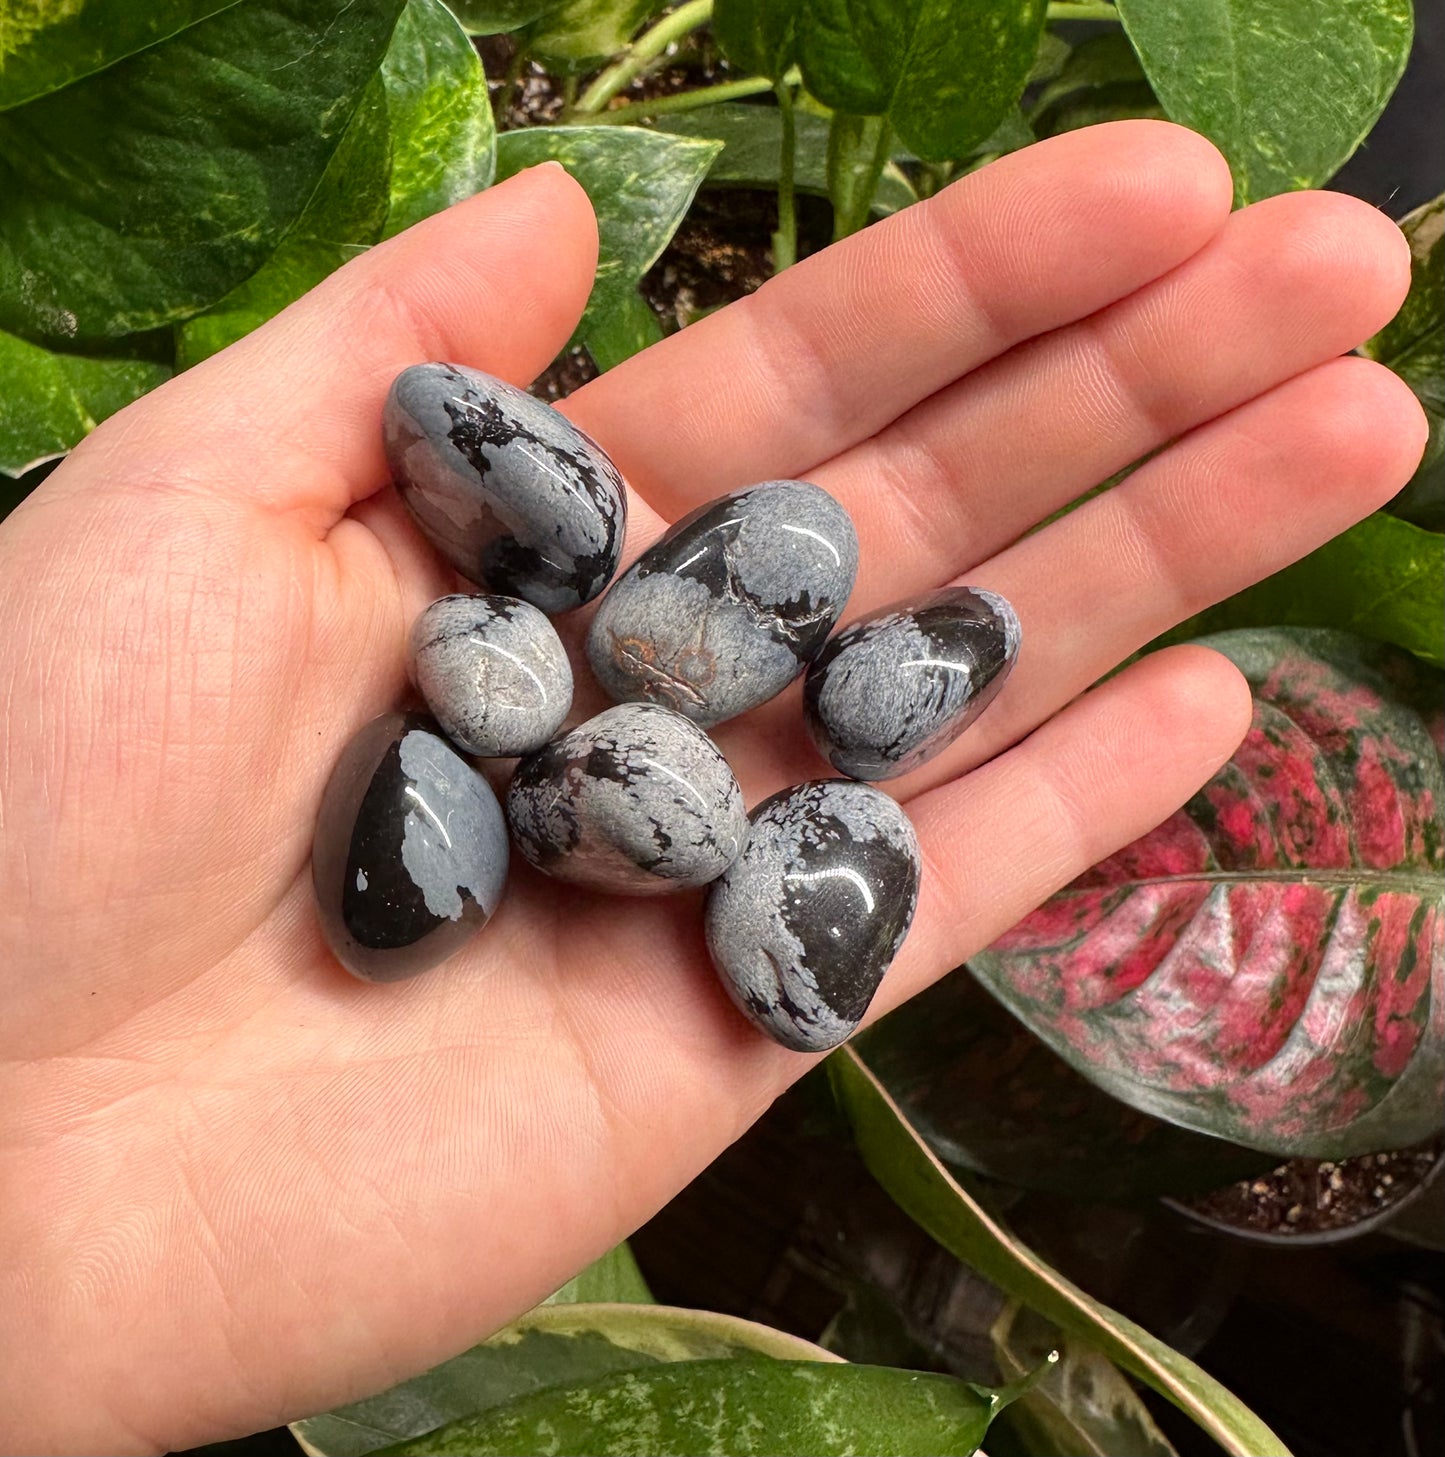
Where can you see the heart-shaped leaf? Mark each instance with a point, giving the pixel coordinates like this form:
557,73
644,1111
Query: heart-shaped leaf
1287,89
943,75
48,401
1413,345
573,34
757,36
1267,965
552,1346
641,184
732,1408
902,1162
141,193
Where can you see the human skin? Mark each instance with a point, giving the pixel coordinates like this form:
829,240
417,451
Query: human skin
238,1186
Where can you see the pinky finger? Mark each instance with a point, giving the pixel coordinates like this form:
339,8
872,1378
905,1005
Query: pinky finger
999,841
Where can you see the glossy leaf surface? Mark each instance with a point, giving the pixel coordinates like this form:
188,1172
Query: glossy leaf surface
901,1161
1267,965
570,35
641,184
944,75
757,36
183,164
1383,579
732,1408
554,1345
1413,345
992,1099
49,401
1286,89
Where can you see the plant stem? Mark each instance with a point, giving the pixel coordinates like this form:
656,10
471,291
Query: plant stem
681,101
785,240
857,153
510,81
642,52
1081,10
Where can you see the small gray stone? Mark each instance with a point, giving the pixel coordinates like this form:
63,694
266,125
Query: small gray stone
891,691
410,856
804,925
730,606
493,671
636,800
513,494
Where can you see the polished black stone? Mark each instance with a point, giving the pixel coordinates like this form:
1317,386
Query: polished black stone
804,924
891,691
410,855
730,606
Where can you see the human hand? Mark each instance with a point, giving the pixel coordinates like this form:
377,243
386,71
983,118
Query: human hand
242,1187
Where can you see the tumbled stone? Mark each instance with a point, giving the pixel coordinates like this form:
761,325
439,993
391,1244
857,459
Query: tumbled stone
510,492
804,925
410,855
493,672
636,800
891,691
730,606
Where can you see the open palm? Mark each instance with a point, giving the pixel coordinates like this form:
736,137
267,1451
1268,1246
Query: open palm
239,1185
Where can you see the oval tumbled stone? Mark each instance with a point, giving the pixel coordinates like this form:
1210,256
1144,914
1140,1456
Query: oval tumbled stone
410,855
730,606
895,689
493,672
512,494
636,800
804,925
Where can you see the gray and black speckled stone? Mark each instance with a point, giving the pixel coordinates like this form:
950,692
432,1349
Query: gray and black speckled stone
804,925
493,672
636,800
512,494
731,605
891,691
410,856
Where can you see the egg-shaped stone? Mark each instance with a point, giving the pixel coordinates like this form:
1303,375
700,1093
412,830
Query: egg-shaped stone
808,919
730,606
493,672
410,855
637,800
891,691
510,492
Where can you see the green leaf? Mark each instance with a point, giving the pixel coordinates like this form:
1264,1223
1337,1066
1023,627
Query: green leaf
751,138
47,44
577,33
641,184
496,17
1382,579
554,1345
141,194
1285,89
613,1278
757,36
944,75
443,138
344,216
901,1161
1101,80
1413,345
50,401
735,1408
1081,1407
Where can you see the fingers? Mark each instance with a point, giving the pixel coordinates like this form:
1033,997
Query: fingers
1103,772
1231,503
290,417
1286,285
834,349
